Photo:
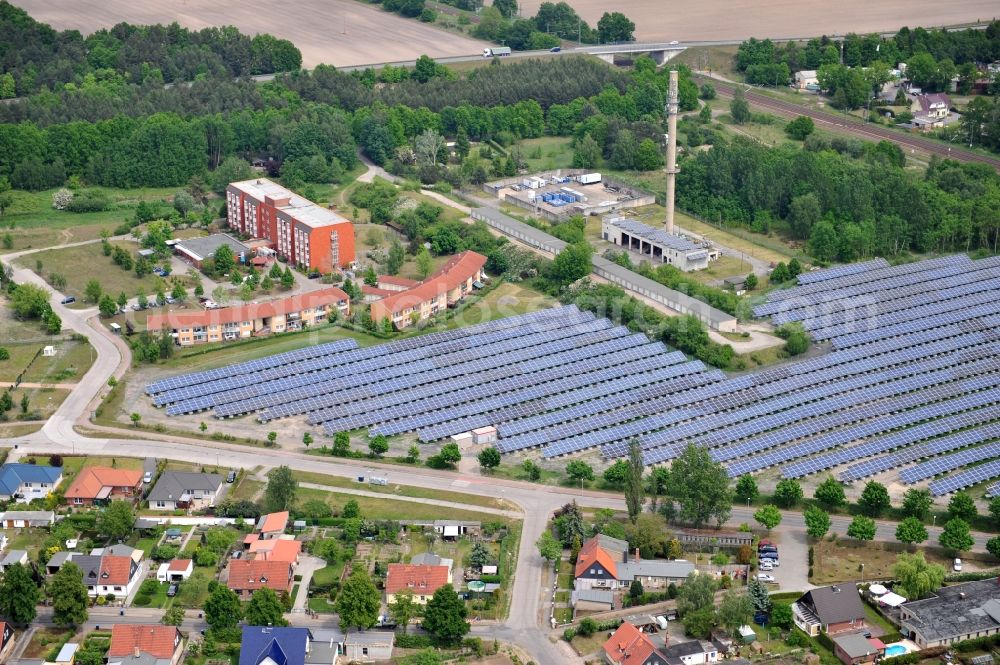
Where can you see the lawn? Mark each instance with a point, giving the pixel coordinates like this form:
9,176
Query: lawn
321,605
67,261
328,574
564,614
74,464
42,403
36,224
398,490
246,490
389,509
565,581
44,640
547,153
505,300
837,562
71,362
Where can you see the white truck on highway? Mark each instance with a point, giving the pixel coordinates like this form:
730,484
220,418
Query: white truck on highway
496,51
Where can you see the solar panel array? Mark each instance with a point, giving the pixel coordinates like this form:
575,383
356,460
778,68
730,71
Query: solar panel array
910,380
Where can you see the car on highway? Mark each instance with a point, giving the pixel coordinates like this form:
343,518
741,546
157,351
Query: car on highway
764,577
67,300
555,49
674,43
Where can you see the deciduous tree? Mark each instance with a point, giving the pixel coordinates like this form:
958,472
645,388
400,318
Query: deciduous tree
861,528
917,578
444,617
830,494
874,499
911,531
279,494
817,522
19,595
69,596
264,609
768,516
701,487
359,602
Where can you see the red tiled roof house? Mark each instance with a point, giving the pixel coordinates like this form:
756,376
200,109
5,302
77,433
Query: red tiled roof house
245,576
98,485
419,580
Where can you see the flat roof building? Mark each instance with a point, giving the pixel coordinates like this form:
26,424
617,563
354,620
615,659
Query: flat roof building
305,233
656,244
231,323
955,613
196,250
446,287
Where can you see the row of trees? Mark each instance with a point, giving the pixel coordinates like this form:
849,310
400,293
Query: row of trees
36,57
552,23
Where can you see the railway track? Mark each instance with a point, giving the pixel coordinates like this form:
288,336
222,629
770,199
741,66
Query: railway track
855,127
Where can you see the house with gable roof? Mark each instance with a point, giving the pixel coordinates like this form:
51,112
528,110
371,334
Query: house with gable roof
277,645
606,563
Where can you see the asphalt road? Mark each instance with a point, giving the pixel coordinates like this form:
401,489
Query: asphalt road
850,125
525,625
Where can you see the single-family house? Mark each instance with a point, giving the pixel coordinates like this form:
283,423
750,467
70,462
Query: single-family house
606,563
954,613
24,482
6,640
367,647
830,609
855,648
421,581
630,646
184,490
177,570
104,572
935,106
282,645
18,519
98,485
692,652
246,576
276,549
145,644
272,525
12,557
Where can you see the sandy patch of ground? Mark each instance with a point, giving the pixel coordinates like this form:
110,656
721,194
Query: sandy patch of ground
317,27
726,19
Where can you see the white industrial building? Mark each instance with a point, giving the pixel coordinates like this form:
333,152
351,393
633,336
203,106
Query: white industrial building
657,245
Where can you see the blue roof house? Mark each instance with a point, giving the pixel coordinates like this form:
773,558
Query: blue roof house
268,645
24,482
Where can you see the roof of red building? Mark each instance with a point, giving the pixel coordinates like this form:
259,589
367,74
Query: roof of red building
274,522
256,574
115,570
628,646
179,565
296,303
375,291
593,552
276,549
457,270
154,639
421,579
92,479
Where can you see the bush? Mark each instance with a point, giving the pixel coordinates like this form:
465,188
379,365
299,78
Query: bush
587,627
569,634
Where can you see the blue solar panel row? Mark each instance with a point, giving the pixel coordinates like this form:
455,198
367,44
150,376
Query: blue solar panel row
993,490
827,274
903,440
429,371
961,480
249,367
798,309
631,354
373,359
873,280
943,318
859,315
275,381
971,455
451,405
953,400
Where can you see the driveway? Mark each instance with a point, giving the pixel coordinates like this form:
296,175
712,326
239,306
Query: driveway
308,564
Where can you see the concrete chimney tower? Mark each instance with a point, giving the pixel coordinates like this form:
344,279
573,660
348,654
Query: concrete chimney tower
671,148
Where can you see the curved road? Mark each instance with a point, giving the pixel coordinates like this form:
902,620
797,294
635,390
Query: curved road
527,622
851,125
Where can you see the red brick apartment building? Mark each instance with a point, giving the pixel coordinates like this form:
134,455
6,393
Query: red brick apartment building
306,234
445,288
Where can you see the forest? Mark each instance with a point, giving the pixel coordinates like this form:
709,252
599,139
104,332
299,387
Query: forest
34,57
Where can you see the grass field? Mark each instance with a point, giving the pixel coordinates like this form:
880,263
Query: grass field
505,300
67,262
42,402
246,490
72,360
837,562
398,490
547,153
37,224
74,464
389,509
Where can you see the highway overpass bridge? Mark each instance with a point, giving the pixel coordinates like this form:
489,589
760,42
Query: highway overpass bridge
661,52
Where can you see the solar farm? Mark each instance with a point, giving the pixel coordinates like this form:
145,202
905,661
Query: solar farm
905,382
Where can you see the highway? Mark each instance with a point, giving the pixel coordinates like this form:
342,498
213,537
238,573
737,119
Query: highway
526,624
847,124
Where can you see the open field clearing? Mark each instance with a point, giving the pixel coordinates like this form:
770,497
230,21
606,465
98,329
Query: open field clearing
337,32
723,19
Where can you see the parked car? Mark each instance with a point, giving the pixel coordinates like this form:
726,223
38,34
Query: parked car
172,590
231,477
957,566
766,543
774,562
147,477
764,577
67,300
766,565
